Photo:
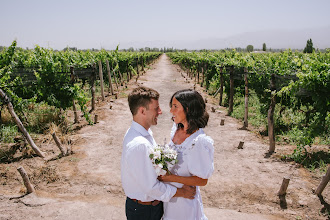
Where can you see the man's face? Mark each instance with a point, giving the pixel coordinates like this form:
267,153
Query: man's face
152,112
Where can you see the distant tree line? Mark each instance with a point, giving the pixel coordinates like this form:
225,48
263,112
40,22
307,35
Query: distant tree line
250,48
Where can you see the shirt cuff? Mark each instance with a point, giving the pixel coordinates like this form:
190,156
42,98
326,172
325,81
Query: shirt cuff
169,193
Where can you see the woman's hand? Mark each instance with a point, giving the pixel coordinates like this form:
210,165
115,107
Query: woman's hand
167,178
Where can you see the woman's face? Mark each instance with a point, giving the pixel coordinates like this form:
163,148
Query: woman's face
177,111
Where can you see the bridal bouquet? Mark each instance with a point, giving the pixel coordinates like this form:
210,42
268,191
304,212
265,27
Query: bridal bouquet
163,158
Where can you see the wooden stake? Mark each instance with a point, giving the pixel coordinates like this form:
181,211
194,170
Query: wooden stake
72,76
284,186
121,77
114,76
246,99
142,64
110,79
137,66
271,133
127,72
26,180
222,122
240,145
101,80
58,143
92,82
324,182
19,124
76,117
221,86
231,92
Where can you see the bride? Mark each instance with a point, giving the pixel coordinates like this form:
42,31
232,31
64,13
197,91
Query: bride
195,154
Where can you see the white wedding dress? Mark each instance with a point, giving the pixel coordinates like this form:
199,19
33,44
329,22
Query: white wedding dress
195,158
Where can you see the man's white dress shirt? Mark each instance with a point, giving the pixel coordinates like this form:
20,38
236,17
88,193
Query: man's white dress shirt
138,176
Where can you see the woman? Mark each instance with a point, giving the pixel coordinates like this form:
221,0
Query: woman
195,154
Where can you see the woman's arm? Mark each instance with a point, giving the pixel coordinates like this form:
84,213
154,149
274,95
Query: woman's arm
186,180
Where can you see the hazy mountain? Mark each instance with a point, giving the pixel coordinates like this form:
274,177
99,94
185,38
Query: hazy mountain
276,39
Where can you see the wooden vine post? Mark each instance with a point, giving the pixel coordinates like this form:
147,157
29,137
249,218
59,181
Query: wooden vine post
128,72
204,70
284,186
110,79
58,144
142,63
72,76
221,85
26,180
324,182
101,80
197,74
92,81
231,93
19,124
121,77
75,112
114,76
137,66
271,133
246,99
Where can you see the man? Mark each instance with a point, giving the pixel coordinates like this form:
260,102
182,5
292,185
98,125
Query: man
139,180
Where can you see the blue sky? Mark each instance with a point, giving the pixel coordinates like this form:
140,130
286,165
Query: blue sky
106,23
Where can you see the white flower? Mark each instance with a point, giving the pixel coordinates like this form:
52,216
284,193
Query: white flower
163,158
157,154
169,165
159,169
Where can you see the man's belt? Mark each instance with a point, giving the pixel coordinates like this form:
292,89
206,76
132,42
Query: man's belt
153,203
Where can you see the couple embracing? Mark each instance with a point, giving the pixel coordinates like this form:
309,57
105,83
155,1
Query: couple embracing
176,195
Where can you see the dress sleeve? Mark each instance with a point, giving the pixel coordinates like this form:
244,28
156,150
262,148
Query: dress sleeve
200,157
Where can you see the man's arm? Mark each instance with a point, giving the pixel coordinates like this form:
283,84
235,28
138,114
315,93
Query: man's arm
143,174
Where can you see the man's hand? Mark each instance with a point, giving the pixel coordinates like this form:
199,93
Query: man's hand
187,192
190,191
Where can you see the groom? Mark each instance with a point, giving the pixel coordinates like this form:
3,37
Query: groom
139,180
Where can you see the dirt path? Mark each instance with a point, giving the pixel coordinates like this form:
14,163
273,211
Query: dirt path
87,184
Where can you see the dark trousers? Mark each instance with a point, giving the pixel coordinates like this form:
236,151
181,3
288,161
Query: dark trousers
136,211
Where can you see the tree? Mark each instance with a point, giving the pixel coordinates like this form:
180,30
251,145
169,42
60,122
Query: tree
264,47
309,47
249,48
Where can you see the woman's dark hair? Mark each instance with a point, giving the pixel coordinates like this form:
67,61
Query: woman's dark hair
194,107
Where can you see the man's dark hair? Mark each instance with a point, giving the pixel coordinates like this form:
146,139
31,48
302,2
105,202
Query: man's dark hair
141,96
194,107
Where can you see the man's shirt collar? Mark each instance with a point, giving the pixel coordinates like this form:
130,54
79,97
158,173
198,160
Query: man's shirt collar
139,128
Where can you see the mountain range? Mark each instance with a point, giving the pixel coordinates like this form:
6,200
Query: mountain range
275,39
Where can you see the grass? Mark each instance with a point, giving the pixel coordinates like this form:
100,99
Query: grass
255,118
8,133
36,118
